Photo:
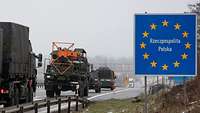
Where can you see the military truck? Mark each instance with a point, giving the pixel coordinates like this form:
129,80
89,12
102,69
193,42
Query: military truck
94,81
68,70
107,77
17,64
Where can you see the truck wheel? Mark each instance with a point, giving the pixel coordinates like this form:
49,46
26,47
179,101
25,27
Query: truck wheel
30,94
86,90
81,92
98,89
58,92
81,89
11,101
16,96
50,94
112,88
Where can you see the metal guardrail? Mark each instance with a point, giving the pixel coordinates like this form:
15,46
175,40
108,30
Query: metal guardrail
40,85
47,103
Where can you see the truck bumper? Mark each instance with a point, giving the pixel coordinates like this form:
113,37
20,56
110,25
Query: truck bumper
61,85
3,98
107,84
92,86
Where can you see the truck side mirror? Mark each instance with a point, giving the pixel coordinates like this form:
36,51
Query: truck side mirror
40,57
91,67
40,60
39,64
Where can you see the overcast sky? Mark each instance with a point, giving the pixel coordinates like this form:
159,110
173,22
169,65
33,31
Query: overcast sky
102,27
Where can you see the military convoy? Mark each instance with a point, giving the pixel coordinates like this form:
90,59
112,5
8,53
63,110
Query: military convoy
68,68
17,64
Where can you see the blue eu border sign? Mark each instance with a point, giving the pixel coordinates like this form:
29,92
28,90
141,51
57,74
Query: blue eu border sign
165,44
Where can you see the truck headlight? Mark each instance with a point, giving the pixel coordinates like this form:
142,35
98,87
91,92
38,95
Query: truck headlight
48,76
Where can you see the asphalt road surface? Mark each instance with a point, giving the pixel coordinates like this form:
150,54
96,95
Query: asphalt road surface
118,93
106,94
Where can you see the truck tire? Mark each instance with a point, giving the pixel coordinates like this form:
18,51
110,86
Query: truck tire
30,94
112,88
86,90
81,89
81,92
50,94
11,101
16,96
58,92
98,89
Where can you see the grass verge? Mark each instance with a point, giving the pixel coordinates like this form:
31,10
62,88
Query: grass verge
114,106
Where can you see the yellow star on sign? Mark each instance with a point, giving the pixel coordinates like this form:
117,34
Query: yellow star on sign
185,34
184,56
187,45
164,67
146,56
176,64
142,45
145,34
165,23
153,26
153,64
177,26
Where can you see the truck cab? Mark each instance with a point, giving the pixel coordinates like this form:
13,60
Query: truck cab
68,69
107,77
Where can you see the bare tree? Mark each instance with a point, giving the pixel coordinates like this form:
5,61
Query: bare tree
195,8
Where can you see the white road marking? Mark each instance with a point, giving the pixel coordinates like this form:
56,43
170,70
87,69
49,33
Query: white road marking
100,95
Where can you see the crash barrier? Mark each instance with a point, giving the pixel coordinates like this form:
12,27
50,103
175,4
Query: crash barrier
34,106
40,85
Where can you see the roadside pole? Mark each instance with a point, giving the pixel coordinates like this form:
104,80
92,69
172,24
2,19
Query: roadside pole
146,102
145,91
185,91
163,80
157,79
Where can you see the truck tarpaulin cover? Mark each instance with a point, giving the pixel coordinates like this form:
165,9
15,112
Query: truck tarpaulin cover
1,49
15,48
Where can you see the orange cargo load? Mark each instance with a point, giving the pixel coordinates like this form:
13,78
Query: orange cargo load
67,53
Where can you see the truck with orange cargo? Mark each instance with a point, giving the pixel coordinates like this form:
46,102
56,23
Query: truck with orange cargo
68,70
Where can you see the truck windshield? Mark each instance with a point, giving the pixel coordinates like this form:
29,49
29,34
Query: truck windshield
106,75
80,66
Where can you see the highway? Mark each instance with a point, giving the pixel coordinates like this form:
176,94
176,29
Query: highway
118,93
106,94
